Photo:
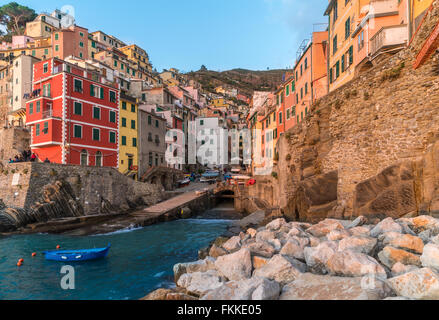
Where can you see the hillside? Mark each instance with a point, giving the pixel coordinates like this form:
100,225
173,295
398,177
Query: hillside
246,81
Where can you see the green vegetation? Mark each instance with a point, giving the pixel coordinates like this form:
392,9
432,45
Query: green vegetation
13,18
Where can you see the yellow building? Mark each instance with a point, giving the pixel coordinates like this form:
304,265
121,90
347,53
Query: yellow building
219,102
343,16
128,136
220,90
420,8
138,55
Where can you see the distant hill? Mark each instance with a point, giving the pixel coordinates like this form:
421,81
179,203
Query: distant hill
246,81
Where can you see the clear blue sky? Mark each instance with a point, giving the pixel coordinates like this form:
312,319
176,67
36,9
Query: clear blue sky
225,34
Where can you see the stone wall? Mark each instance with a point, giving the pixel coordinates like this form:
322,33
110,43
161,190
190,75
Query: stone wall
48,191
365,148
13,141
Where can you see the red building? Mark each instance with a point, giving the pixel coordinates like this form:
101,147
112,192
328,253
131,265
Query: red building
73,115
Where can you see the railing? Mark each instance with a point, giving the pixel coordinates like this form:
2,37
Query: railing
392,36
47,114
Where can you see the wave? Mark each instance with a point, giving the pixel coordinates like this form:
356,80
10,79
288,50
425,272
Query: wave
121,231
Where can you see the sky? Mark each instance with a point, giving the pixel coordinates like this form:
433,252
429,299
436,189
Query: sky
185,34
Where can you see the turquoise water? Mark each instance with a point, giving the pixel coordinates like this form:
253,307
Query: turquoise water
139,261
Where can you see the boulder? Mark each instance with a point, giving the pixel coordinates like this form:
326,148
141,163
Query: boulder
434,240
191,267
235,266
324,227
317,287
423,223
252,232
281,269
303,242
360,231
265,236
259,262
354,264
233,244
200,283
216,251
169,295
422,284
296,232
358,222
359,244
387,237
293,249
317,257
336,235
430,256
407,242
267,290
253,220
276,224
389,256
242,290
399,269
262,249
387,225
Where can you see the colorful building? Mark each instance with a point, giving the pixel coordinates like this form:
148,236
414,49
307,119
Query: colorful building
342,15
128,135
72,41
73,115
310,74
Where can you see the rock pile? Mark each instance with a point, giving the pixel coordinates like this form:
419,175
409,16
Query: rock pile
331,260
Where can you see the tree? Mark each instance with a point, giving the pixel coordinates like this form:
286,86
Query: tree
14,16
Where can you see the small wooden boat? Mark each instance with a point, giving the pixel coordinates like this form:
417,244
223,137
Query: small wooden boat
77,255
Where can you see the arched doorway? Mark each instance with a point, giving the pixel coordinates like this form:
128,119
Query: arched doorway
98,159
84,158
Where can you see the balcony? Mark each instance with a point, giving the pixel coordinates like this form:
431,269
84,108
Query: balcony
388,39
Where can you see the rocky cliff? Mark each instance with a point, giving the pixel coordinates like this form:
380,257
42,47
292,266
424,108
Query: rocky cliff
369,148
38,192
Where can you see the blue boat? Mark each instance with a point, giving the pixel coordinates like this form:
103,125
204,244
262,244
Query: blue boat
77,255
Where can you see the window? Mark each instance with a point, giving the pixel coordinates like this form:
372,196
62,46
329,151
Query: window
133,108
201,122
112,137
57,48
112,96
306,63
133,124
77,131
124,105
280,117
351,55
134,142
124,140
288,90
46,68
81,44
306,88
96,134
102,96
157,124
46,127
301,93
81,34
301,69
96,113
56,36
46,90
342,63
37,129
78,86
46,51
80,55
115,63
124,122
337,69
84,158
334,45
34,53
112,116
98,158
78,109
347,28
293,111
31,108
335,12
288,114
330,75
361,40
38,107
93,44
149,120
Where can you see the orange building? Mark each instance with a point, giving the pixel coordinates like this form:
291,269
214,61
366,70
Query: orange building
72,41
380,30
311,76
